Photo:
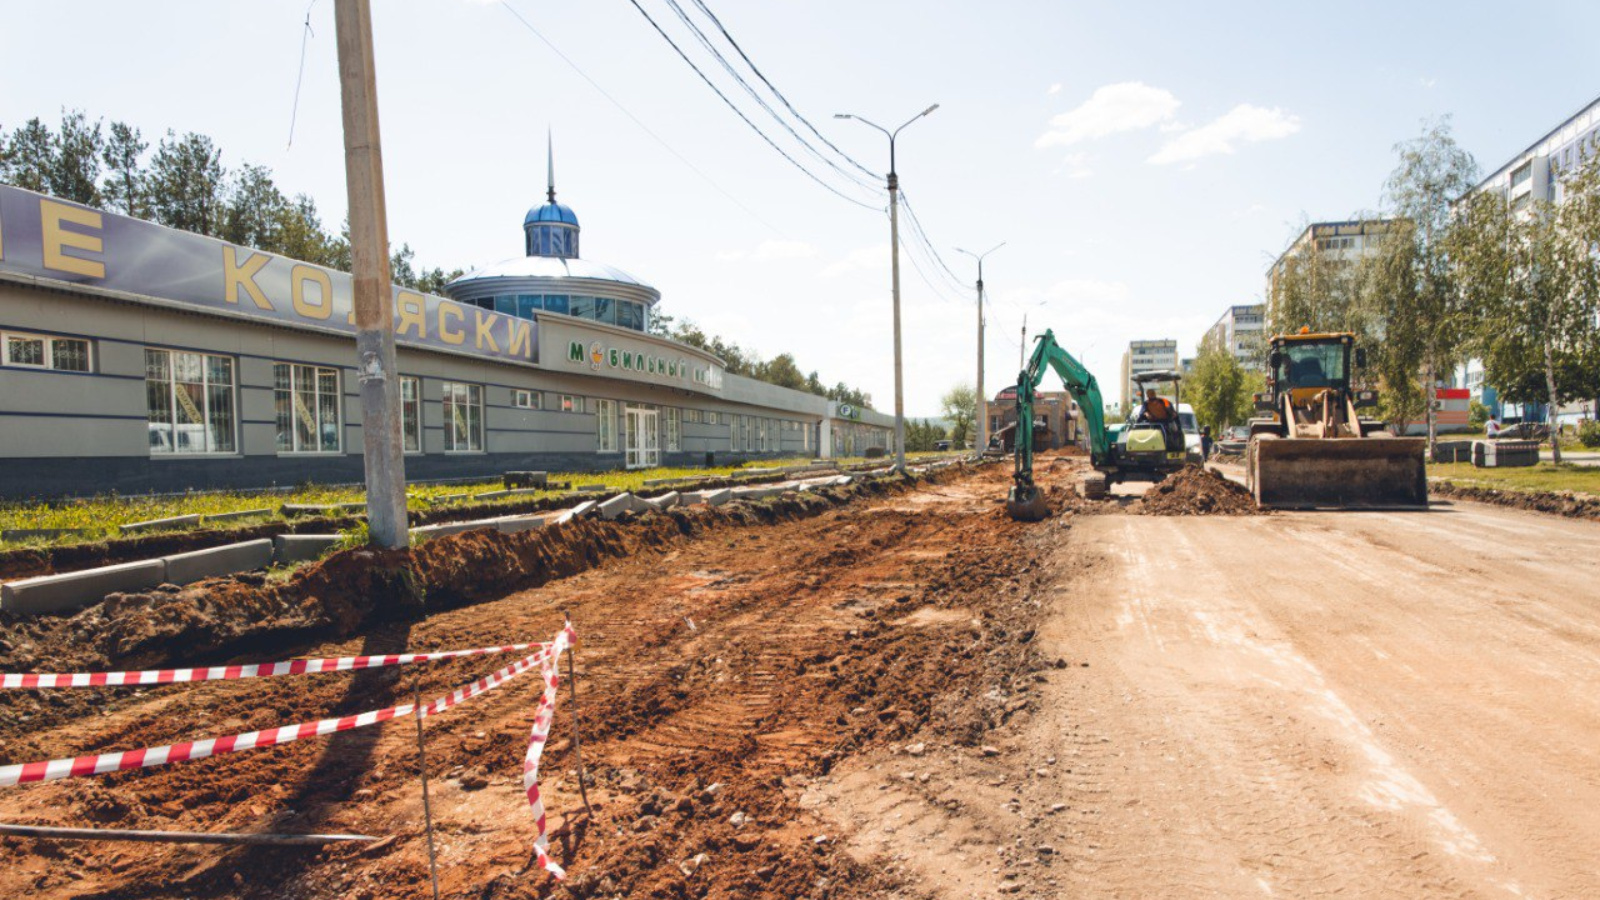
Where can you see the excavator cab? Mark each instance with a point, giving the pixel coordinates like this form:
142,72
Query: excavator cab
1310,445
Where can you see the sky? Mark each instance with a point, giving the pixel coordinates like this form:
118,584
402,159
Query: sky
1143,162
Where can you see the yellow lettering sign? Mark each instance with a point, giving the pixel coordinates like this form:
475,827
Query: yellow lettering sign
298,277
451,311
413,315
235,276
52,216
482,330
521,343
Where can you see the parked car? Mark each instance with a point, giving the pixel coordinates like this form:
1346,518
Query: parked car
1234,440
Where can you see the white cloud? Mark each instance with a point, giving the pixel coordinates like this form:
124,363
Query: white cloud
1054,89
1128,106
1427,83
1074,165
1244,124
876,256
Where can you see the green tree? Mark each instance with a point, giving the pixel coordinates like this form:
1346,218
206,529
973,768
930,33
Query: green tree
30,156
1426,318
960,407
254,210
1533,284
186,180
75,174
1219,389
123,187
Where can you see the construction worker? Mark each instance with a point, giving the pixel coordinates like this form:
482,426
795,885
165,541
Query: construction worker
1205,442
1157,408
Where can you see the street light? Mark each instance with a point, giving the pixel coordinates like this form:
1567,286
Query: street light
981,438
894,249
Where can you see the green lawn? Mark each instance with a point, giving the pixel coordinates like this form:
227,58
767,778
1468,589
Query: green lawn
1545,476
99,517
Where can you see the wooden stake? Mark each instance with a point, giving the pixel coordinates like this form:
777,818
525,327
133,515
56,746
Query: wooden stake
427,810
577,742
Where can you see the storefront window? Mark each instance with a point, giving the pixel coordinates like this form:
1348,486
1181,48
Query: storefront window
189,402
674,429
606,425
41,352
308,405
463,417
528,305
411,413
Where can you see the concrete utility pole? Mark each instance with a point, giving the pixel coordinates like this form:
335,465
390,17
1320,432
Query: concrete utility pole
981,434
373,297
894,250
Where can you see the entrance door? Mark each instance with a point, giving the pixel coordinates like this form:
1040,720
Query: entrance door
643,439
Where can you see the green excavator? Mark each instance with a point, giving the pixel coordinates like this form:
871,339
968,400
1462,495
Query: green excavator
1148,448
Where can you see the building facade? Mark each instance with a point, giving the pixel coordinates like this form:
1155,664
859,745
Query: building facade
1055,419
1146,356
1340,243
1241,330
137,358
1536,174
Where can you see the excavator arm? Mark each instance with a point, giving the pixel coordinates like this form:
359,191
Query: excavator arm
1025,502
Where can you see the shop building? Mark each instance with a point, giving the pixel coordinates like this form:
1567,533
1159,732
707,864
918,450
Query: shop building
139,358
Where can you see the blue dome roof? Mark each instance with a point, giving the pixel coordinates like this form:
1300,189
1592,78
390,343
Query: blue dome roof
551,213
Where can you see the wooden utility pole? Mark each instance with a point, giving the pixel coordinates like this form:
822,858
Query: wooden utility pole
369,256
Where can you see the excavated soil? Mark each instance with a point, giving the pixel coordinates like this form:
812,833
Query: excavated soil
727,658
1573,506
1193,491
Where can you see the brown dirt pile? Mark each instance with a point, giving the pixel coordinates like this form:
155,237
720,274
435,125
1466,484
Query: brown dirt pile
1193,491
1573,506
219,620
719,675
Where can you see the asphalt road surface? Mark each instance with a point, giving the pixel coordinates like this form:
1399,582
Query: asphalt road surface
1295,705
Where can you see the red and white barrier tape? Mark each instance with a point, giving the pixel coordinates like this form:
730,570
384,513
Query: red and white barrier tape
550,668
229,673
547,658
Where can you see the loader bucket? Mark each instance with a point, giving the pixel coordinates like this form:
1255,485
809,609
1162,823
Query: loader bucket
1027,504
1339,473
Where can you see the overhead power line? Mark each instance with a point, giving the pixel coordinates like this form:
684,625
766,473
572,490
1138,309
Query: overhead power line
740,113
635,119
922,235
733,73
775,92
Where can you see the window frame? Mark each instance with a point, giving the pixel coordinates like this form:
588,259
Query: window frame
47,352
170,383
571,403
477,433
673,418
317,371
605,414
526,398
413,419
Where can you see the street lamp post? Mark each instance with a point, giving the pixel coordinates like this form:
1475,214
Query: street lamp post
980,437
894,249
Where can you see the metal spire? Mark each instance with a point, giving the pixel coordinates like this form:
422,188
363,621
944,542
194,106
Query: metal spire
550,160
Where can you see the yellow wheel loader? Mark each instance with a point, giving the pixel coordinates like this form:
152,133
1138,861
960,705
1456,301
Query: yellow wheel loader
1311,448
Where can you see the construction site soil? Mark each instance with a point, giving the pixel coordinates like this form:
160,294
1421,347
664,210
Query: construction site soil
1573,506
1194,491
726,659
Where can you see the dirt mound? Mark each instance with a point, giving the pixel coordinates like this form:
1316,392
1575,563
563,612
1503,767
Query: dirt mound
719,678
220,620
1193,491
1573,506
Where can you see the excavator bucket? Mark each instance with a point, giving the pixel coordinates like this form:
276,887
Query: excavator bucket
1027,504
1340,473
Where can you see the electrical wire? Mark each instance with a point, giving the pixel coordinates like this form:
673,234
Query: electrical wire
740,113
294,109
635,119
916,224
754,95
777,93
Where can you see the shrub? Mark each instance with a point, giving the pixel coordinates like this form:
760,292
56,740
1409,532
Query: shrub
1589,434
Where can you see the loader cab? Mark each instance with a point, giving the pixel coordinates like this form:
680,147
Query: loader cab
1312,361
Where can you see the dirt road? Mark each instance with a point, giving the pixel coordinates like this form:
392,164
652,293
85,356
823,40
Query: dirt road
1297,705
